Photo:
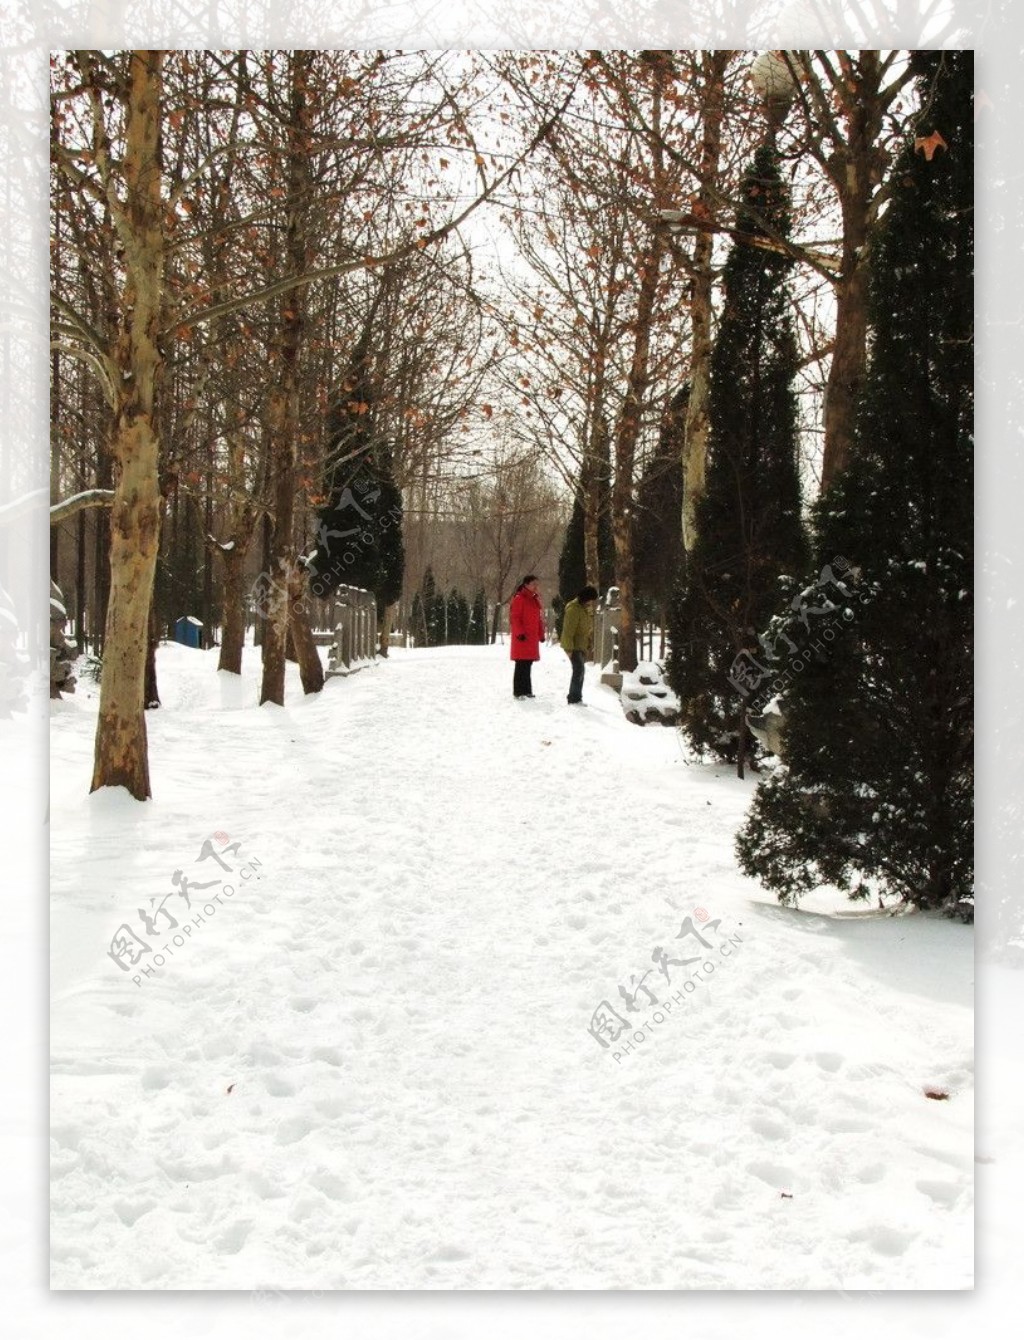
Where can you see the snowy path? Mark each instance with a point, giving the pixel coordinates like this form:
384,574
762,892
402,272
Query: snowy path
371,1067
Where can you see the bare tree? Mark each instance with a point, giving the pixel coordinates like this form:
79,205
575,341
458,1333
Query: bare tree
126,179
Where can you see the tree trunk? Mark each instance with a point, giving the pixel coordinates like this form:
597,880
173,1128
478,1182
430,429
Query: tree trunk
101,559
151,694
300,634
741,740
284,402
384,629
626,436
628,428
80,584
849,357
232,638
121,757
594,474
206,609
856,169
698,421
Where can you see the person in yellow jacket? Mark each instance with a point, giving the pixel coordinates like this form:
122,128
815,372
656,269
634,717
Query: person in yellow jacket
577,637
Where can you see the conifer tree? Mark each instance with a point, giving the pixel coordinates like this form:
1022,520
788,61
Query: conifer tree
749,526
477,634
875,792
428,612
457,626
359,530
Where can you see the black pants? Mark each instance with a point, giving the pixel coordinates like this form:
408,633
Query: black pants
576,682
521,686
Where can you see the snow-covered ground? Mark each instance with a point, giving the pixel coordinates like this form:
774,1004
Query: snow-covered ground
377,1059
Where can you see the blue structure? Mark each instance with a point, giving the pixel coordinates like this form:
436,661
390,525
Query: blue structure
187,630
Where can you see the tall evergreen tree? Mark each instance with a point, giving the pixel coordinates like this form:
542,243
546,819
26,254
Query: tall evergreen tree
457,626
875,793
477,633
359,530
424,610
750,531
431,615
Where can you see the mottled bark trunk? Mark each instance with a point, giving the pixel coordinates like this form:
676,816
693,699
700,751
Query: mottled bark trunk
698,421
120,752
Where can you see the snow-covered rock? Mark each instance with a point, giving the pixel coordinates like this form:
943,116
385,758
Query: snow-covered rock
646,696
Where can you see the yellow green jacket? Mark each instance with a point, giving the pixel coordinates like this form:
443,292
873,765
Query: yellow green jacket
577,627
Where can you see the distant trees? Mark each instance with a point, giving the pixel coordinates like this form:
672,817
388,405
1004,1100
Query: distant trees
445,619
505,521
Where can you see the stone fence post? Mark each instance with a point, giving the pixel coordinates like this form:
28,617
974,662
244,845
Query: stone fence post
606,638
355,631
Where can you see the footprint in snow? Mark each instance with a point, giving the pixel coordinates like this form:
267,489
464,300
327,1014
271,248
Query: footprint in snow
292,1130
129,1214
830,1061
774,1174
884,1240
874,1172
331,1185
331,1055
278,1087
449,1252
770,1130
155,1077
232,1240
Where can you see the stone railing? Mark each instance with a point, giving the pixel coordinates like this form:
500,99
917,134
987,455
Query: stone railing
355,631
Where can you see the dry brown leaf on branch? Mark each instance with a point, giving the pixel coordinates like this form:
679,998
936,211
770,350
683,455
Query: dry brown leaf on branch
928,144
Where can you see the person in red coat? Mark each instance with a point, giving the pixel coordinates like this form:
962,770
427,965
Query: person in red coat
526,625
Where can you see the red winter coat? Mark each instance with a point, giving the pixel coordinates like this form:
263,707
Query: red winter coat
526,624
